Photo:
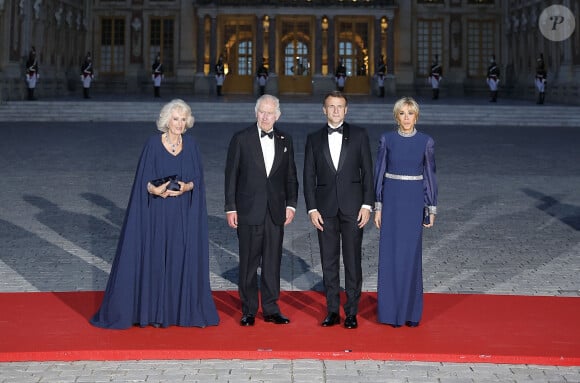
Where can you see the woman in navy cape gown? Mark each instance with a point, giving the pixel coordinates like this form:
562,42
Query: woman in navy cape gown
160,274
405,185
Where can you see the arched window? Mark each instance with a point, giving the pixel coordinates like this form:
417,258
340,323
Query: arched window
296,61
353,43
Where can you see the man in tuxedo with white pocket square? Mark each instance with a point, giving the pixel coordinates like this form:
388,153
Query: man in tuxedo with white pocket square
261,191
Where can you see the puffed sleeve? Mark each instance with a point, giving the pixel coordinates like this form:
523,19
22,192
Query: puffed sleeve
380,168
429,177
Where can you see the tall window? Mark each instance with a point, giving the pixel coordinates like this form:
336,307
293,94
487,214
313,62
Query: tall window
162,41
353,46
296,59
112,46
480,47
245,54
429,44
296,47
238,52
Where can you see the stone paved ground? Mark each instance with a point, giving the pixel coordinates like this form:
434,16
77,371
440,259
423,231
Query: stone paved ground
509,223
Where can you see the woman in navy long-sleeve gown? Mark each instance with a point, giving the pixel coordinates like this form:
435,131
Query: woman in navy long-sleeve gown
405,185
160,274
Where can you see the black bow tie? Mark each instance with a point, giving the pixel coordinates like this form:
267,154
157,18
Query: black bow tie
332,130
270,134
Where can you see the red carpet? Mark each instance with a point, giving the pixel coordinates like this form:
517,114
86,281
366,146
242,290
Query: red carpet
455,328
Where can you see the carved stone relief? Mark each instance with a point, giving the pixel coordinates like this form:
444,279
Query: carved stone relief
136,38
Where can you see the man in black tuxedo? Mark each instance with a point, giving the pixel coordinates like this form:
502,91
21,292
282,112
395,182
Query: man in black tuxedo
261,190
338,189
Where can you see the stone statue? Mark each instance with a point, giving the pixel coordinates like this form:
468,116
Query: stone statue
136,37
37,7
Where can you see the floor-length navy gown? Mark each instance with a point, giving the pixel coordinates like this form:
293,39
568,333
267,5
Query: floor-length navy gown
404,183
160,274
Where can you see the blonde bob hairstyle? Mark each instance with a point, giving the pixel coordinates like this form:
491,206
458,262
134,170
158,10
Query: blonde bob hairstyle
167,110
405,101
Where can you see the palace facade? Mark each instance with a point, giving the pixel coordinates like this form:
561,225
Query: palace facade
301,42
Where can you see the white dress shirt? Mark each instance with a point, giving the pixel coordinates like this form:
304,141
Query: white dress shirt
335,145
268,150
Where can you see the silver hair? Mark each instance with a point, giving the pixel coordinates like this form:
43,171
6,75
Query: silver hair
269,97
167,110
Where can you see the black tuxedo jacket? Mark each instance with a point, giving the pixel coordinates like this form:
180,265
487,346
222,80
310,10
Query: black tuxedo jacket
247,188
347,188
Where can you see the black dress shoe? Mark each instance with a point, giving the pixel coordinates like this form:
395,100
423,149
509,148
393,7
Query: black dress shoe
276,318
247,320
331,319
350,322
411,324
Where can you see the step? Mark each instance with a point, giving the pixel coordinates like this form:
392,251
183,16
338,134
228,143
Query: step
431,114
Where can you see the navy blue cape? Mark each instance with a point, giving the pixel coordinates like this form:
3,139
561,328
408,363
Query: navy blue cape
160,274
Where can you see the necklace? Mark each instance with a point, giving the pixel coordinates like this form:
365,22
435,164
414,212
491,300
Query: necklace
410,134
173,146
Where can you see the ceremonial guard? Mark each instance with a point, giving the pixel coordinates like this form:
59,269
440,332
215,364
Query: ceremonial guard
493,78
340,76
87,73
262,77
157,75
220,75
541,76
435,77
380,76
31,73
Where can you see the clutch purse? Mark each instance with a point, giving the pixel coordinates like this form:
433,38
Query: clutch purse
173,184
426,216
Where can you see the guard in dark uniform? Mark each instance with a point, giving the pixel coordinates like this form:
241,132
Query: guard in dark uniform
31,73
157,75
340,76
380,75
87,74
435,77
220,75
262,77
541,76
493,79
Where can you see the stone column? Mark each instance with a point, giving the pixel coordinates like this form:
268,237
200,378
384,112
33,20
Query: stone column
188,42
391,45
377,49
213,51
200,43
259,40
273,58
318,46
272,46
